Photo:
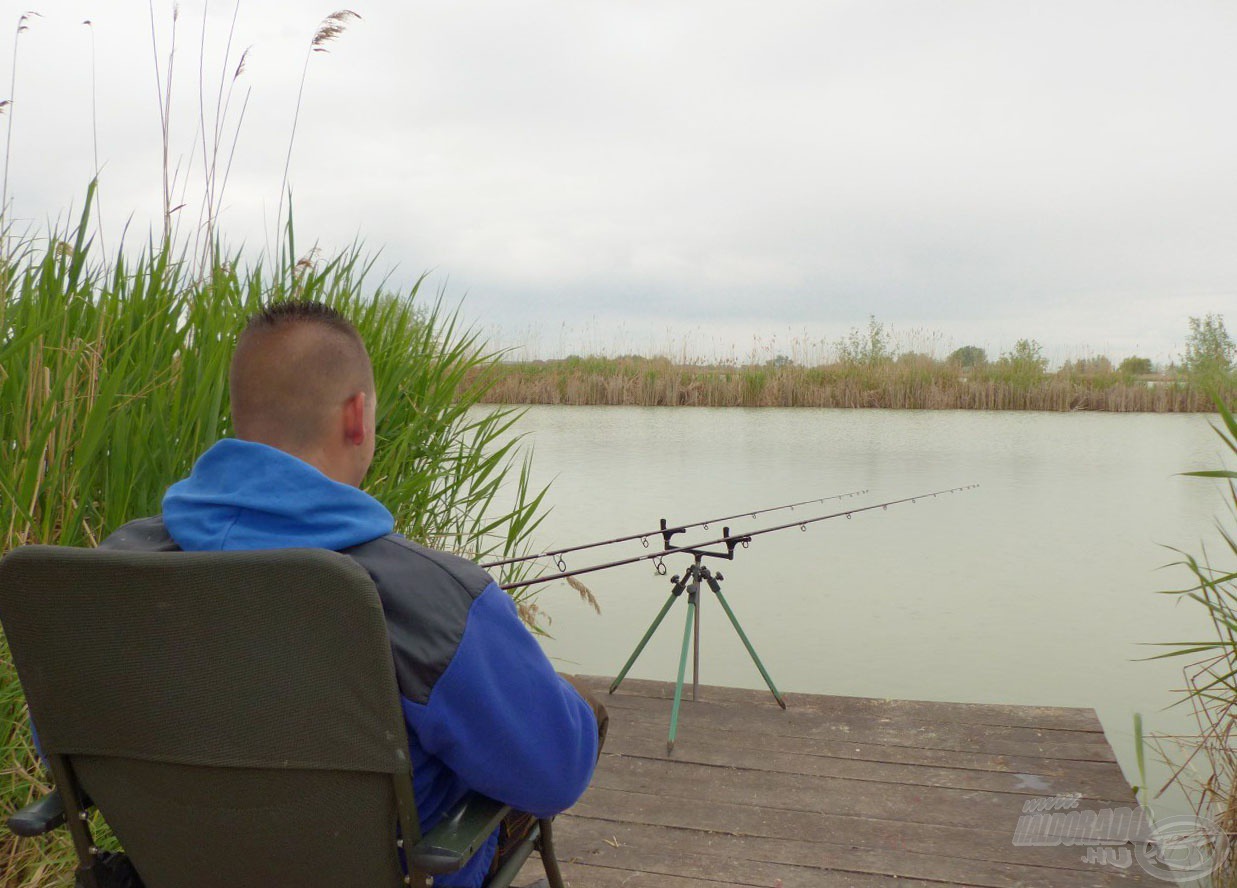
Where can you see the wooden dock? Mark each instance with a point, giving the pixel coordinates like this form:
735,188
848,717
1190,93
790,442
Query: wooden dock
834,791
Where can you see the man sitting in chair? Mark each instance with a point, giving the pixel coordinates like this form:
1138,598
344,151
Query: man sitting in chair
485,709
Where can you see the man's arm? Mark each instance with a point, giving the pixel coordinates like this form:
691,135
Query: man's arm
502,719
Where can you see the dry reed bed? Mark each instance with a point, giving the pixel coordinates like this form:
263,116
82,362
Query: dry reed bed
657,382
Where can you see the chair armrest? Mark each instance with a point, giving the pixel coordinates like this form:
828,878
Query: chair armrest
38,817
459,835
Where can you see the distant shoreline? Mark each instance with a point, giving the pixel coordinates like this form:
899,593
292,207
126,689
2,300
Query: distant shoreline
921,384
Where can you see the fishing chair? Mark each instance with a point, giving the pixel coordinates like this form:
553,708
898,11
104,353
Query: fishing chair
235,718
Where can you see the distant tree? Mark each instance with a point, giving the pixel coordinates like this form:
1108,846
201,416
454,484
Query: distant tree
1097,366
870,347
1026,352
1133,366
968,356
1209,350
1025,363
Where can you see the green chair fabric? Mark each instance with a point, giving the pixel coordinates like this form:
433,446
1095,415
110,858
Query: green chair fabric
234,715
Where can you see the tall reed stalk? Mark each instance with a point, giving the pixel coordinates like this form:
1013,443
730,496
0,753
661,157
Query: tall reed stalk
328,31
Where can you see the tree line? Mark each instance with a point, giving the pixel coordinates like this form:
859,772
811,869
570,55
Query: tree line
1210,354
867,370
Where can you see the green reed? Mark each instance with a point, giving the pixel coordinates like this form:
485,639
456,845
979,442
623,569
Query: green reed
1209,775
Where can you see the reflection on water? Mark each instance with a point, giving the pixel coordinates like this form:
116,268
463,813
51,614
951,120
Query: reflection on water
1037,588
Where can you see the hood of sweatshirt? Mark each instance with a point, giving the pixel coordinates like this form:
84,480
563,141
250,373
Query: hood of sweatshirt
245,495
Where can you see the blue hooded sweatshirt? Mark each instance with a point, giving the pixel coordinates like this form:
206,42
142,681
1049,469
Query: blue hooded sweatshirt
497,719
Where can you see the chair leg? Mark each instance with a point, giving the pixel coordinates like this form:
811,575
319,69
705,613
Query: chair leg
514,863
545,847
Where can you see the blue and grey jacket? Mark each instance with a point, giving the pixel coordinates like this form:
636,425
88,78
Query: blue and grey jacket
484,707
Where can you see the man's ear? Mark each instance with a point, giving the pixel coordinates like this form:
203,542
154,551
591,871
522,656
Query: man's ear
354,419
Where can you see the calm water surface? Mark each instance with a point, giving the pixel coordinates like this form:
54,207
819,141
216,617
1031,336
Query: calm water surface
1037,588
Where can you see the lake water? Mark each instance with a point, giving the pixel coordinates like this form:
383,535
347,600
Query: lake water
1039,587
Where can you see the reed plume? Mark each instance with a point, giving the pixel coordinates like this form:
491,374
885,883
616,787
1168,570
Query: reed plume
22,27
330,29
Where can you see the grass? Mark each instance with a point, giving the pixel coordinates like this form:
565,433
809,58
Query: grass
114,378
912,381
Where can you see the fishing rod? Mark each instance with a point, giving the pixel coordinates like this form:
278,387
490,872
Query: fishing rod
730,541
557,554
691,584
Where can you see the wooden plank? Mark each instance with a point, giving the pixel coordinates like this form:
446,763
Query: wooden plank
743,860
647,741
583,876
759,741
696,717
587,875
1043,717
602,805
837,791
921,804
797,716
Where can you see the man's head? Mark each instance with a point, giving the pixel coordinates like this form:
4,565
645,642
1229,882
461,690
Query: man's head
302,382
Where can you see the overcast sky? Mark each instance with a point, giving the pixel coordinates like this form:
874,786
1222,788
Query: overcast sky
696,177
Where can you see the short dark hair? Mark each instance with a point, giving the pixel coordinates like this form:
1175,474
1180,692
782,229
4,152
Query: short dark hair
291,311
285,376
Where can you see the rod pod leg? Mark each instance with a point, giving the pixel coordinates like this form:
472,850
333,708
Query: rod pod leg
675,592
693,594
734,621
696,647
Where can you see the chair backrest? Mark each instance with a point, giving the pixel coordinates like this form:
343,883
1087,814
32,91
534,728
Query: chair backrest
234,715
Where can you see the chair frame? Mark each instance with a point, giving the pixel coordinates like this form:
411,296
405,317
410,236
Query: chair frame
444,849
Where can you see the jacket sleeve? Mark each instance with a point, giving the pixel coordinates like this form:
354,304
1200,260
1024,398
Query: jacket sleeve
503,720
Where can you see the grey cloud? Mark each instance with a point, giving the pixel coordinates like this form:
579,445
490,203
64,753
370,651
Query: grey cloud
973,166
